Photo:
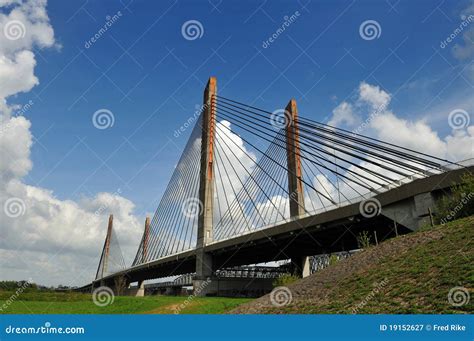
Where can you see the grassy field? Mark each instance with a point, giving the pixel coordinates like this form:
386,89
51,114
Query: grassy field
409,274
35,302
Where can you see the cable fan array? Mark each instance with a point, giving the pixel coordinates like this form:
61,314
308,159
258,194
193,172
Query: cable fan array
173,228
339,167
111,260
250,174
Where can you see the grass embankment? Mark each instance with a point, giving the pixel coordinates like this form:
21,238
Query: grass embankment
408,274
37,302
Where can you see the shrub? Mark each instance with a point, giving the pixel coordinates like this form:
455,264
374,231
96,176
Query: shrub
285,280
333,259
363,240
459,204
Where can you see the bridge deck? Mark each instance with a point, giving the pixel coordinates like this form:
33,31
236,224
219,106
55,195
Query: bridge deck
329,231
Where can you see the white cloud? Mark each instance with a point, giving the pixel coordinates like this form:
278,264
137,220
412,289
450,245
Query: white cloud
416,135
17,73
373,95
15,144
28,20
54,241
343,114
380,122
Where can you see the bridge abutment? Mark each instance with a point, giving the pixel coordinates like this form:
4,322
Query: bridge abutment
413,212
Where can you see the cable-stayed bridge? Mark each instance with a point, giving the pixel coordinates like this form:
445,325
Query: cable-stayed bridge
255,186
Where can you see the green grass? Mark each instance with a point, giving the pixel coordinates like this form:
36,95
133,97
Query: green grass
416,281
36,302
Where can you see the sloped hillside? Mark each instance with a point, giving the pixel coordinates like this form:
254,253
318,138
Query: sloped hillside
413,273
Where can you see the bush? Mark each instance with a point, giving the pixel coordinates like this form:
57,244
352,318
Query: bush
363,240
459,204
333,259
284,280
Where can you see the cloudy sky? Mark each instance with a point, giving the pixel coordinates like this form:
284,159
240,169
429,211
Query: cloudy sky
92,94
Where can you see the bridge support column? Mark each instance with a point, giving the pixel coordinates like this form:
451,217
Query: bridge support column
204,266
140,289
301,266
295,183
146,234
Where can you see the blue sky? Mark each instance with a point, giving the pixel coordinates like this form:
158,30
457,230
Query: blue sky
151,78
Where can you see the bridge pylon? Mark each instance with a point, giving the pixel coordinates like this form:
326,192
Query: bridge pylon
104,258
293,152
204,266
295,179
